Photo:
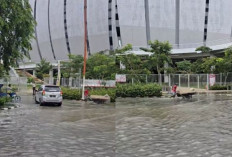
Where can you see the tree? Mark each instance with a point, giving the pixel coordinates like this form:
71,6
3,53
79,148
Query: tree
133,64
204,49
161,56
196,66
16,29
73,66
43,68
101,66
184,66
122,50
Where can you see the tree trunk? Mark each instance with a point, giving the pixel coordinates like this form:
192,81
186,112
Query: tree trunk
159,75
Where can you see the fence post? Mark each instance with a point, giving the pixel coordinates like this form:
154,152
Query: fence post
179,81
207,82
132,80
198,81
169,80
188,80
220,78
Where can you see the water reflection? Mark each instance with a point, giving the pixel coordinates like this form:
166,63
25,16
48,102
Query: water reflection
162,127
130,127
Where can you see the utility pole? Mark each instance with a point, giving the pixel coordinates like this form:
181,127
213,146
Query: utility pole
85,47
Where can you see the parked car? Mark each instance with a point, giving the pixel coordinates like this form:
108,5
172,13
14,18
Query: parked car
49,94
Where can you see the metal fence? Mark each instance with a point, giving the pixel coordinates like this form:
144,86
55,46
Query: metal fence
183,80
18,84
77,82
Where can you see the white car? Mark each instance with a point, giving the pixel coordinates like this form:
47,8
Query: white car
49,94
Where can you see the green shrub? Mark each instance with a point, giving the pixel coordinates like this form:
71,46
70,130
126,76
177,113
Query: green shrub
30,80
218,87
138,90
71,94
4,100
103,91
128,90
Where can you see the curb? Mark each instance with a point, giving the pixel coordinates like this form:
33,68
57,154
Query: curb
11,107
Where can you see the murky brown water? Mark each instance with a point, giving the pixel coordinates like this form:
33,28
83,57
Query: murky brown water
129,128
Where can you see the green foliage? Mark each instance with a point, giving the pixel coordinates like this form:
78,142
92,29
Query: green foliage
161,55
204,49
196,67
184,66
73,66
218,87
4,100
101,66
122,50
138,90
71,94
103,91
30,80
75,94
16,29
43,68
134,64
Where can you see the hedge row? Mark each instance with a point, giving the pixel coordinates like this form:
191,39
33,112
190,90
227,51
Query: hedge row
4,100
218,87
138,90
71,94
128,90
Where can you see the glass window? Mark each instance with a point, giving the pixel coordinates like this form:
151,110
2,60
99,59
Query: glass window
52,89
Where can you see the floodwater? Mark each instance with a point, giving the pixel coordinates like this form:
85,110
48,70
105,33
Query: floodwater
143,127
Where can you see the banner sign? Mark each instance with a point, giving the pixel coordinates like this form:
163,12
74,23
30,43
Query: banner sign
120,78
212,79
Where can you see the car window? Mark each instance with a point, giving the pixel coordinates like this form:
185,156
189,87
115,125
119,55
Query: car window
52,89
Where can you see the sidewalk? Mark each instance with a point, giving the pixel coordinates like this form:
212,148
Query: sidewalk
201,91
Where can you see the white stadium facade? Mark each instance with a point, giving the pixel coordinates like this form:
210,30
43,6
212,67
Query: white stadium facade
186,24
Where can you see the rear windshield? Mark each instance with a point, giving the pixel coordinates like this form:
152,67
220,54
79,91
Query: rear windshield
52,89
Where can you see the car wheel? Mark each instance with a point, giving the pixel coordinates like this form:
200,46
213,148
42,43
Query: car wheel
59,104
36,101
40,102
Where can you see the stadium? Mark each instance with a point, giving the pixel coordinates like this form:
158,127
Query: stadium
111,24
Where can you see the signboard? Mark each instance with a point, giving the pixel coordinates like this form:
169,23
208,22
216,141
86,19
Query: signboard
120,78
212,79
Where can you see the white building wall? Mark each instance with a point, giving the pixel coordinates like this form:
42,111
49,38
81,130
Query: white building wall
132,22
75,24
42,30
57,29
34,53
98,32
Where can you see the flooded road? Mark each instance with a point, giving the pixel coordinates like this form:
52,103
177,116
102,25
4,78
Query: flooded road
143,127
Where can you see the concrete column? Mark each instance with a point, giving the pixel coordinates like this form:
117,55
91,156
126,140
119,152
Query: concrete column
177,33
188,80
220,78
147,18
165,73
51,77
70,81
33,73
169,80
198,81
